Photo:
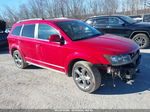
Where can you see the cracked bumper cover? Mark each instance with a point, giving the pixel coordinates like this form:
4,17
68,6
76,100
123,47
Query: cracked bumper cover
127,71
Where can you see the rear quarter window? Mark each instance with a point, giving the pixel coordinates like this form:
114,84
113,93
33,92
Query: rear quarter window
28,31
16,30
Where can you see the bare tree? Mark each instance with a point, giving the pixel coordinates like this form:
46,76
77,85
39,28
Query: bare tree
2,16
24,12
73,8
12,16
96,7
110,6
37,8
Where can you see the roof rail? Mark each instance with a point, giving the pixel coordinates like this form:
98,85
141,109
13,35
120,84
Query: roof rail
30,19
60,18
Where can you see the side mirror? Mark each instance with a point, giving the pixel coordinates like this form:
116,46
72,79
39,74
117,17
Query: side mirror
54,38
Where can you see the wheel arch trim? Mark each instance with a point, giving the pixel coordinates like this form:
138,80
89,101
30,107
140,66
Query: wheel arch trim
17,48
78,56
139,32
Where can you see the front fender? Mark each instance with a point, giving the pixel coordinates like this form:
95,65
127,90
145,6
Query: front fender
78,55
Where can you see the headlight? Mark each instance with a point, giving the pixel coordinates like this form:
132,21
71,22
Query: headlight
118,59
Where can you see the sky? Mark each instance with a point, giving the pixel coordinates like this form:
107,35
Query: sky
11,3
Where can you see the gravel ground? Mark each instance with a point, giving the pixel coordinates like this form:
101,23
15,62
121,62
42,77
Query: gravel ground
37,88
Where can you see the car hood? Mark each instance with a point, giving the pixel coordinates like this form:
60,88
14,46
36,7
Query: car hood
109,44
142,24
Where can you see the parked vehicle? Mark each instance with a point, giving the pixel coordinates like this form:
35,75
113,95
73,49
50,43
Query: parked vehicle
3,40
3,35
123,26
75,48
137,18
142,17
8,30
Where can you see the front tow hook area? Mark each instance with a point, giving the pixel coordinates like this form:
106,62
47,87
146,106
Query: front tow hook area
127,75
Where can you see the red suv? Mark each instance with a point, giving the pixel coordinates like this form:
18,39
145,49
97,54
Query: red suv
75,48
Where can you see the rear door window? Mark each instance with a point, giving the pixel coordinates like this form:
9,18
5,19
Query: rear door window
44,31
101,21
28,31
16,31
115,21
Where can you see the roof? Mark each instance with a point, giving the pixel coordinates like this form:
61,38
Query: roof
107,16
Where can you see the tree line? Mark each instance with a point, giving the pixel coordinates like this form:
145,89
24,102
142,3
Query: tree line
78,9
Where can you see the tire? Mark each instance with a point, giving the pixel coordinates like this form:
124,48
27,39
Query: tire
19,61
86,76
142,40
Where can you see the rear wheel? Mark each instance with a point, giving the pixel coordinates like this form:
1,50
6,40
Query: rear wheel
142,40
20,63
86,76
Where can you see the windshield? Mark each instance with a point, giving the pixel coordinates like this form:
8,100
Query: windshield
77,30
128,19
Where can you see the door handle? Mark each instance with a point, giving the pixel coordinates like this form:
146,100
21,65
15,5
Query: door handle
38,45
19,41
108,27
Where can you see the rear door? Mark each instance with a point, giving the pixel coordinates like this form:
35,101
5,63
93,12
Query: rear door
101,24
28,43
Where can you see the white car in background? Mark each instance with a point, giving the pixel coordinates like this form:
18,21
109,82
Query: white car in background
142,18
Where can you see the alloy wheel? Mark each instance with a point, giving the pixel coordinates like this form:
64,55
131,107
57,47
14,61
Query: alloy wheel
18,60
140,41
82,77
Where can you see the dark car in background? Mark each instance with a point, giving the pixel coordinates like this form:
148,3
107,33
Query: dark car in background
7,30
123,26
3,34
142,17
137,18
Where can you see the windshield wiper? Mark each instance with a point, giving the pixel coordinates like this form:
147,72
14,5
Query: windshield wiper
88,37
96,35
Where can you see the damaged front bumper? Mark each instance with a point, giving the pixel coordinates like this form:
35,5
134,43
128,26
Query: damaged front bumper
126,72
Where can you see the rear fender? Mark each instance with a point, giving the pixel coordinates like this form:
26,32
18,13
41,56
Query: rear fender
14,46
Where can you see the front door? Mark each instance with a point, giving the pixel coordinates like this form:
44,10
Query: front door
118,27
49,53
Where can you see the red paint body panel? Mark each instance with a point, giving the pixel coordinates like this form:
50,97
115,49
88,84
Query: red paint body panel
56,56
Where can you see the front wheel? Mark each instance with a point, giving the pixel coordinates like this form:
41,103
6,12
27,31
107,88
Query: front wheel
86,76
142,40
